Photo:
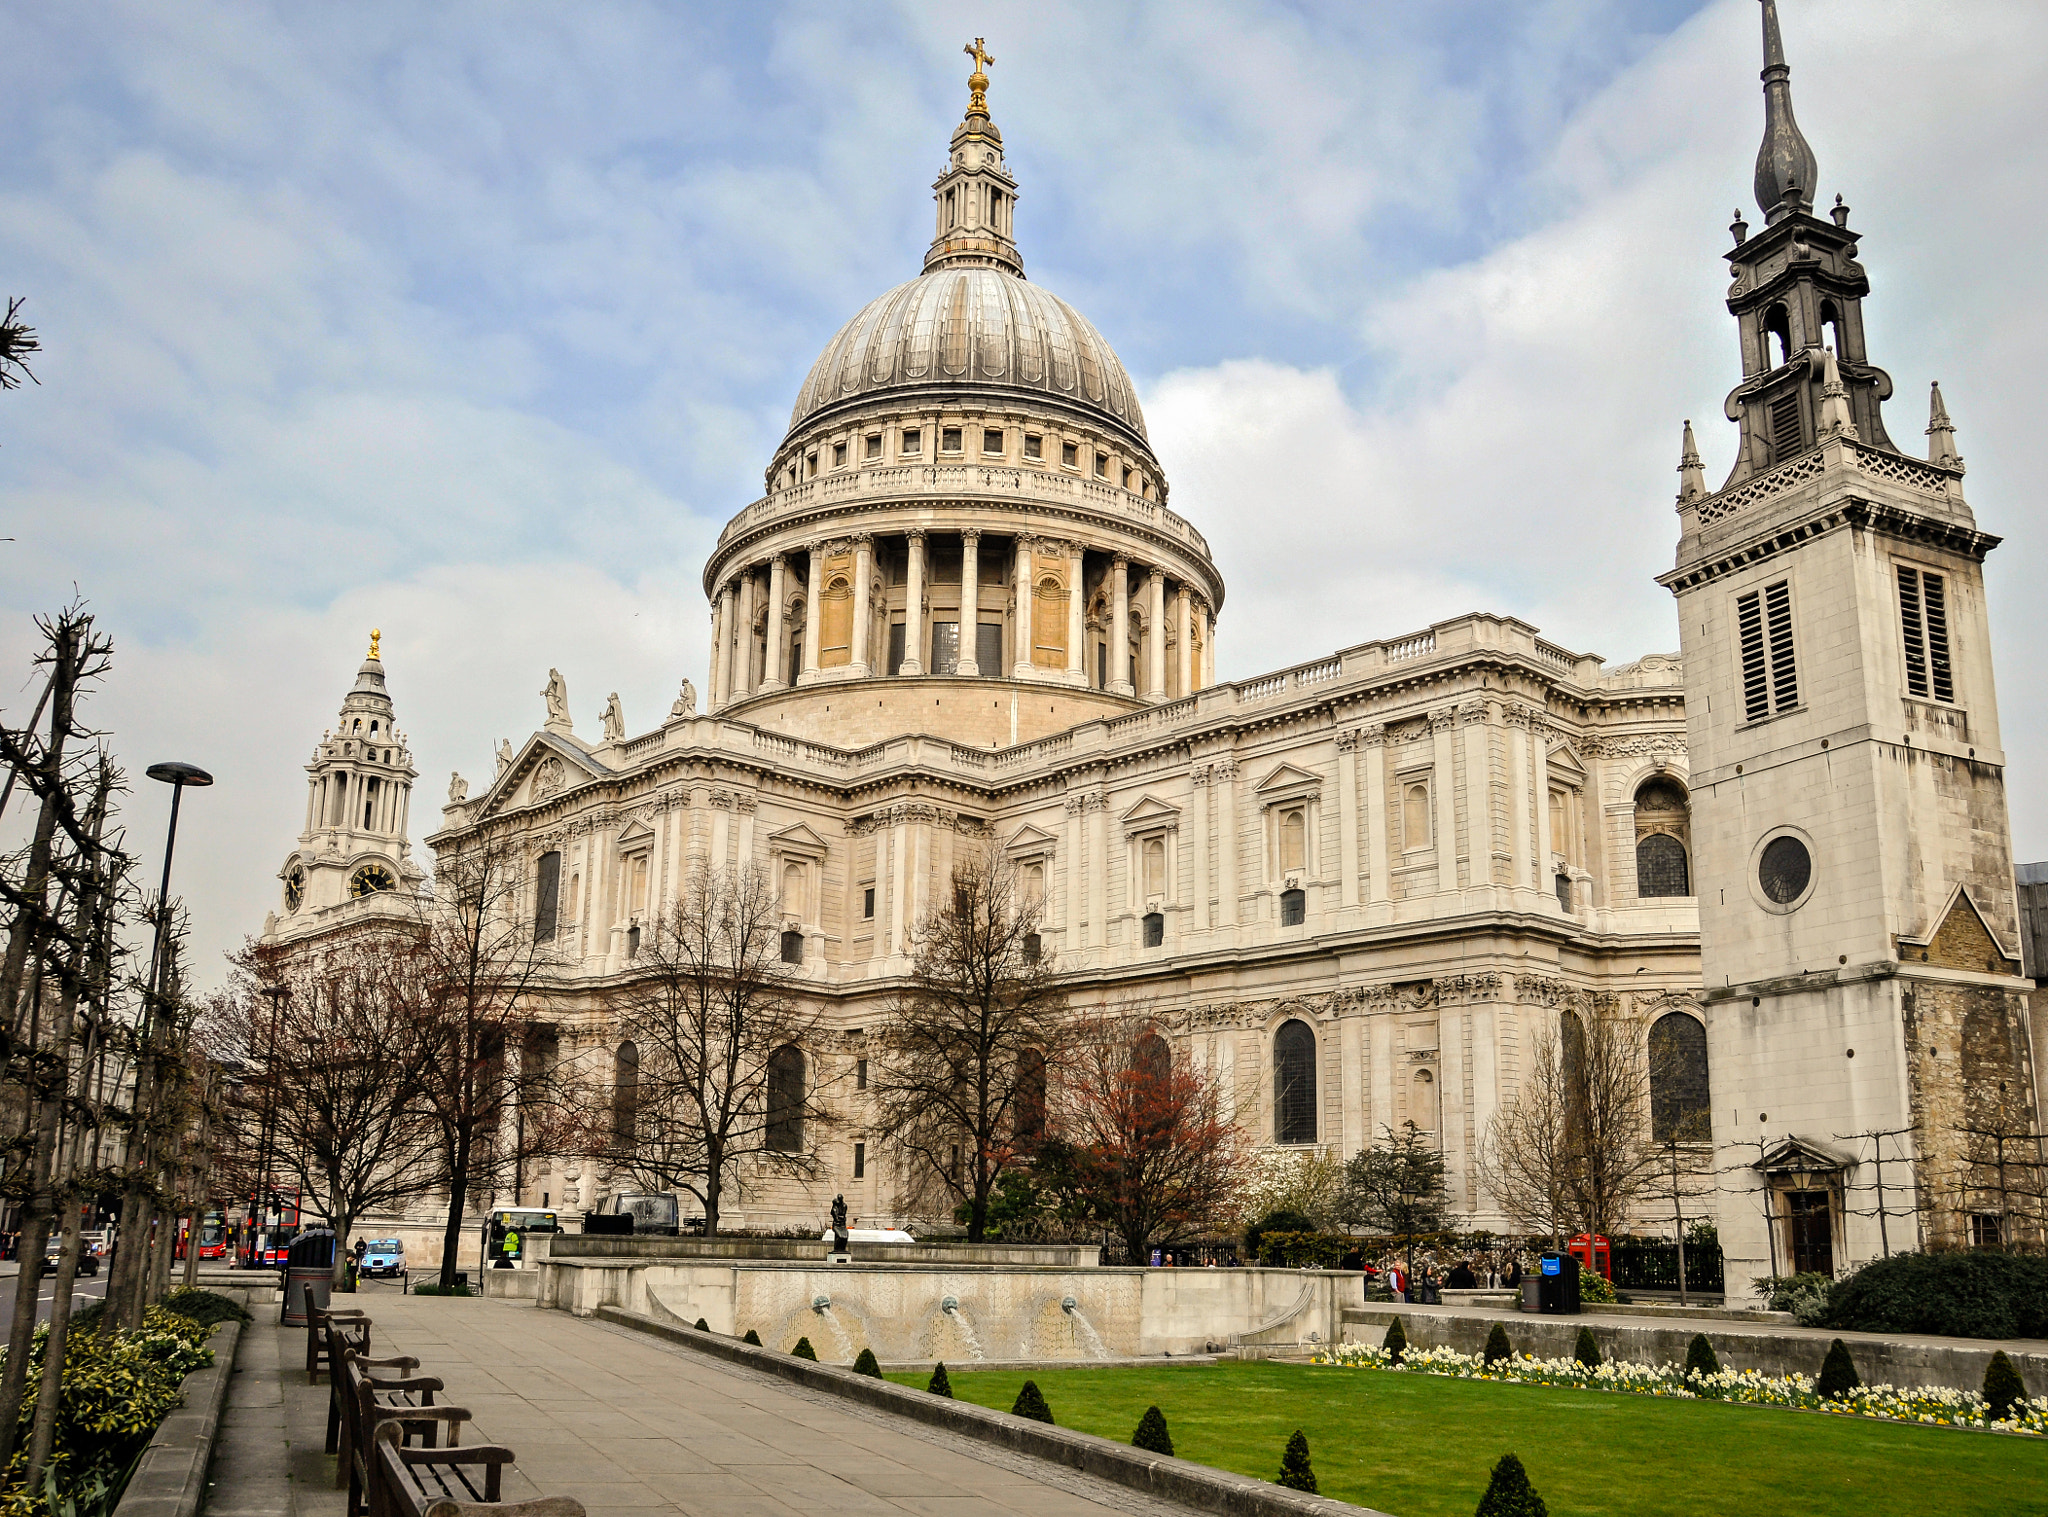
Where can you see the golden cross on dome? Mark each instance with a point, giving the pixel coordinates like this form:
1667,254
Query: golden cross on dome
977,82
375,634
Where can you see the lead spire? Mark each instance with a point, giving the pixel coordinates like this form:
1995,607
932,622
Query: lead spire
1785,165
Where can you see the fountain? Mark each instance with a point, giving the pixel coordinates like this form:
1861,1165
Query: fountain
951,1307
1095,1344
822,1305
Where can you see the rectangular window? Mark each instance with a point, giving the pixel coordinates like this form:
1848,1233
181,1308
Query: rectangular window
952,209
949,440
1763,630
546,895
991,440
988,649
860,1074
1923,616
874,448
945,647
1070,455
839,455
867,904
1130,478
1034,446
1785,430
810,466
897,632
860,1161
913,442
1102,466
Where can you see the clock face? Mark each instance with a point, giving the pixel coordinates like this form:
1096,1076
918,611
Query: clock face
370,879
294,888
1784,870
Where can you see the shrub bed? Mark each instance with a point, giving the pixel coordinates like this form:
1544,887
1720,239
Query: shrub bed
1974,1295
1933,1406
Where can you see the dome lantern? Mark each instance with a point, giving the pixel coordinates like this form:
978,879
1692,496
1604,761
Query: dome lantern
975,196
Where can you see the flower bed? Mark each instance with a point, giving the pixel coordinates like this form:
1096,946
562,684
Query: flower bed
1933,1406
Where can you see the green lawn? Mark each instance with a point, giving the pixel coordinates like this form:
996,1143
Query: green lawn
1422,1445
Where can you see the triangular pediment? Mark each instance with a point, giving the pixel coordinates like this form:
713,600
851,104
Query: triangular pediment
1288,777
1564,764
1802,1155
1149,809
1963,940
544,768
797,839
1029,839
635,832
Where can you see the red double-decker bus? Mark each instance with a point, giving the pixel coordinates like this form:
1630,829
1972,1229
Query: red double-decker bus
213,1236
267,1238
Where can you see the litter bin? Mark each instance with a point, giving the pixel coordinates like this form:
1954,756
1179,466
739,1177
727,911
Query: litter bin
308,1274
1557,1285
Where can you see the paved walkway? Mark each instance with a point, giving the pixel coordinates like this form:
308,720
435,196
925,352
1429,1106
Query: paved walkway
631,1426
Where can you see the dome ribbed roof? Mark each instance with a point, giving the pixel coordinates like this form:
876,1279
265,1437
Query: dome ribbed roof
974,326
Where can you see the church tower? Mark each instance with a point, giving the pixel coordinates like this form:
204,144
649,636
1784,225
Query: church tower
353,858
1858,934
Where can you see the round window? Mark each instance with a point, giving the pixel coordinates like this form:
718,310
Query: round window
1784,870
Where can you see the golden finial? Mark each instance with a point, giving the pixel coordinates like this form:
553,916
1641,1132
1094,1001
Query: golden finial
977,82
375,634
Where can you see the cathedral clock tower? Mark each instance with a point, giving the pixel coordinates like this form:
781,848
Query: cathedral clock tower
1867,1019
353,858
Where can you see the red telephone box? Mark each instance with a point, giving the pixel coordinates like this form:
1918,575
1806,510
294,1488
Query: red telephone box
1592,1253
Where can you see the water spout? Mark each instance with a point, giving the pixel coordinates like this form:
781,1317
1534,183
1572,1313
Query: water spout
950,1305
822,1305
1093,1339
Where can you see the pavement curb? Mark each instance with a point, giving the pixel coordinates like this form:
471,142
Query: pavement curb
1181,1481
170,1477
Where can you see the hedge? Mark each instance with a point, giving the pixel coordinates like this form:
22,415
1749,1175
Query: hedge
1962,1295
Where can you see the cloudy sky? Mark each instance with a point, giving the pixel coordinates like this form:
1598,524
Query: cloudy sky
475,322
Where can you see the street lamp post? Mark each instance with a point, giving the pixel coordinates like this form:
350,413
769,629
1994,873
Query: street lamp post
133,1262
278,995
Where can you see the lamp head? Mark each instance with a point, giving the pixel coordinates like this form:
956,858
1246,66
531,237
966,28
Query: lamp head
175,773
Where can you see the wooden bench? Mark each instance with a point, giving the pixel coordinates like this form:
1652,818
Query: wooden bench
403,1401
417,1482
341,1396
317,1320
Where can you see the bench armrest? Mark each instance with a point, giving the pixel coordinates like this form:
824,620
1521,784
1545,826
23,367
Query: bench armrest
540,1506
404,1382
396,1361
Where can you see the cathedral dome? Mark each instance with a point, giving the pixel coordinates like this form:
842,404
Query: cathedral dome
984,328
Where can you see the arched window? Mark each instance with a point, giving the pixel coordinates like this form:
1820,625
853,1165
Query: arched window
1415,815
786,1100
1294,1083
792,946
1155,929
1034,887
1151,1059
625,1095
1293,839
547,893
1154,867
1678,1079
1293,907
1777,324
1663,839
1031,1096
1422,1101
794,657
1831,325
795,900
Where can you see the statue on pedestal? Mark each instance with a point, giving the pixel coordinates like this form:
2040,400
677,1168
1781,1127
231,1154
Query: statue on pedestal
839,1224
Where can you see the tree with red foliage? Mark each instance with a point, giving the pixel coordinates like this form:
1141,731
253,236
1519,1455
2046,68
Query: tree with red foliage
1155,1152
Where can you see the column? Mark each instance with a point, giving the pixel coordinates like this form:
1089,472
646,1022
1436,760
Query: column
1347,818
1539,748
1377,864
742,683
1208,646
814,554
1155,637
863,616
1098,861
1077,929
899,884
913,608
1077,618
721,621
772,663
1025,595
1198,839
1120,626
1184,642
970,600
1478,793
1223,780
1444,790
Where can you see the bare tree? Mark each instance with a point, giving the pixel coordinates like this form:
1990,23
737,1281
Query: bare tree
724,1051
1527,1157
476,963
337,1064
966,1046
1614,1167
17,341
1153,1148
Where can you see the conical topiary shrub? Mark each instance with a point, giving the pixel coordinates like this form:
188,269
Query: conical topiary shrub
703,1326
1509,1493
1838,1374
2004,1390
939,1385
1396,1342
1700,1358
1587,1352
1030,1403
1295,1472
867,1365
1497,1349
1151,1435
803,1350
752,1337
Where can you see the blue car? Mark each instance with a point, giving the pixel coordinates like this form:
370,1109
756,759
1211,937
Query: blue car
384,1256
